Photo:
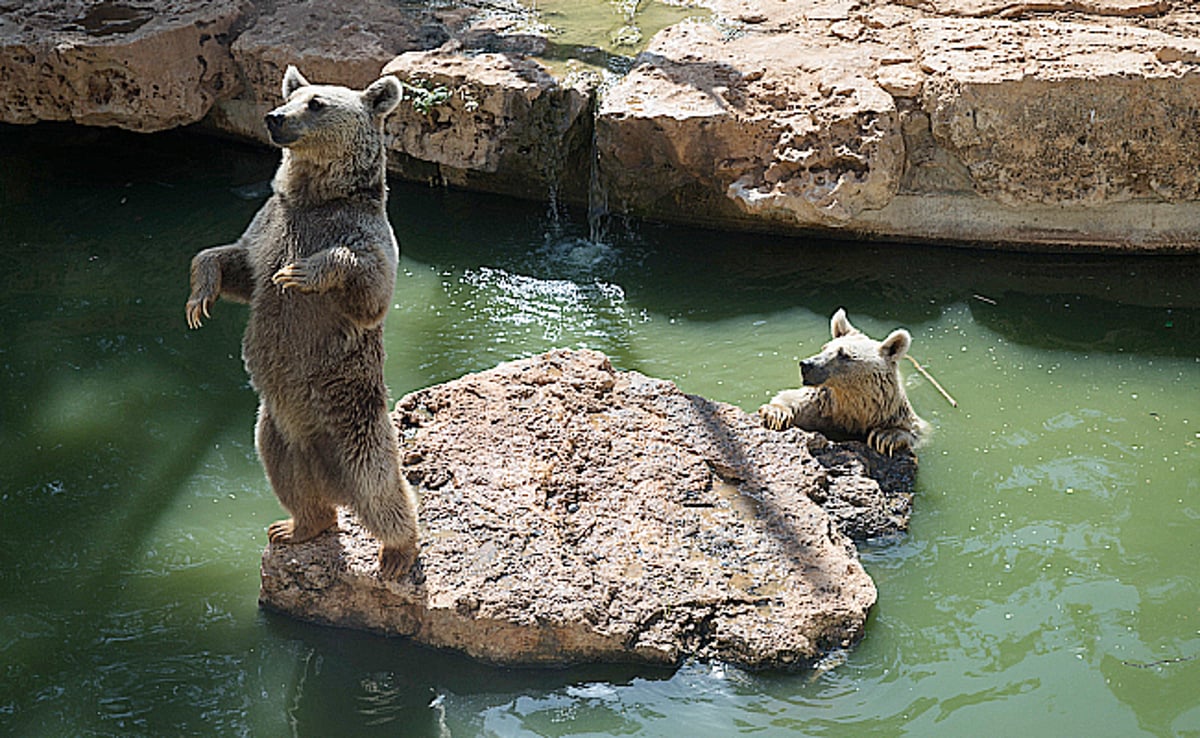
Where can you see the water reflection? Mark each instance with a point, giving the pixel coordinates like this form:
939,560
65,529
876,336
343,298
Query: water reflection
353,683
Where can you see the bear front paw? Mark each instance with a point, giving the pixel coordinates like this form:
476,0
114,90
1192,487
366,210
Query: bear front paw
294,276
775,417
890,441
197,307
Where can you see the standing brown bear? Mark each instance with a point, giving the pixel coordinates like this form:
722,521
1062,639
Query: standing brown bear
852,389
318,267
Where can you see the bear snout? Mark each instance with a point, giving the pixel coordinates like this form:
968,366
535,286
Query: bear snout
813,372
277,127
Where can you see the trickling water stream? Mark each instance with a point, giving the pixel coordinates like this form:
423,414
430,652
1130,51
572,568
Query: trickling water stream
1048,585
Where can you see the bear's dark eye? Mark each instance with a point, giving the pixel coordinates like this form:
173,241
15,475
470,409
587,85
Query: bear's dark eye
315,105
842,355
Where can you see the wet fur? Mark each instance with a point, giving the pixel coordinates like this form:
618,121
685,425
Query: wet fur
852,391
318,266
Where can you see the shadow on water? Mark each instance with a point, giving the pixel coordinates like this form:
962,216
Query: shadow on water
1082,302
96,354
349,683
106,398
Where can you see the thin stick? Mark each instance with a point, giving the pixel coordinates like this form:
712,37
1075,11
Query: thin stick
934,382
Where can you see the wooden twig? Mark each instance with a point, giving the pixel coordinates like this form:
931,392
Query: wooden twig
1161,662
953,402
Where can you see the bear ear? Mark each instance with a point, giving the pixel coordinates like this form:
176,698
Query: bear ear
839,325
383,95
895,345
292,81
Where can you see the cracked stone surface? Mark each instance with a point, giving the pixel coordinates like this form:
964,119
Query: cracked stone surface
796,131
509,126
1040,125
345,42
1068,123
1109,120
143,67
572,513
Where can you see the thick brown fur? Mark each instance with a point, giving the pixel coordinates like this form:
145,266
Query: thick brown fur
852,391
318,266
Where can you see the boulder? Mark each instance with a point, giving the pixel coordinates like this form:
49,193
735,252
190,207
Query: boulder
344,42
571,512
1065,114
783,128
1047,125
505,125
897,122
131,65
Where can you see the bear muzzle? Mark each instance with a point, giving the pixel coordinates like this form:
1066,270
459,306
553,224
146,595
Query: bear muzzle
277,126
813,372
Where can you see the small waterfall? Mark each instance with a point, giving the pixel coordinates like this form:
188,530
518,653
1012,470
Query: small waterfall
567,247
597,196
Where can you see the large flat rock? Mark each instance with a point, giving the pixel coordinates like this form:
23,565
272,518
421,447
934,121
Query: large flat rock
571,512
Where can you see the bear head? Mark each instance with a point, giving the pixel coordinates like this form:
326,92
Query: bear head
330,120
854,360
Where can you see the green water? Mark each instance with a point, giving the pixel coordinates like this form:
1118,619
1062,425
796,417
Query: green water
617,26
586,34
1054,547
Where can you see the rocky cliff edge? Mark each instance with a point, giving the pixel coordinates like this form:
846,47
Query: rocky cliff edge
1057,124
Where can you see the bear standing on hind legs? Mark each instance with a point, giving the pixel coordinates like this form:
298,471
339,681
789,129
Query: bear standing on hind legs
852,389
318,266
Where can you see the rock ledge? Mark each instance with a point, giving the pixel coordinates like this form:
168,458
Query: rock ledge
572,512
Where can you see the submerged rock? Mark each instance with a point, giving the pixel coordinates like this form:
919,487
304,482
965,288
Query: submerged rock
571,512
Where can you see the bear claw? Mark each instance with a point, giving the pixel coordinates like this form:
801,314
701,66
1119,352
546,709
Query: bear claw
774,417
197,307
889,442
286,531
292,276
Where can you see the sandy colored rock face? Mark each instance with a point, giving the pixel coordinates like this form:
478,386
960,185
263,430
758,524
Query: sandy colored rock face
574,513
1063,113
976,121
1055,124
1009,8
344,42
508,125
789,131
117,64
